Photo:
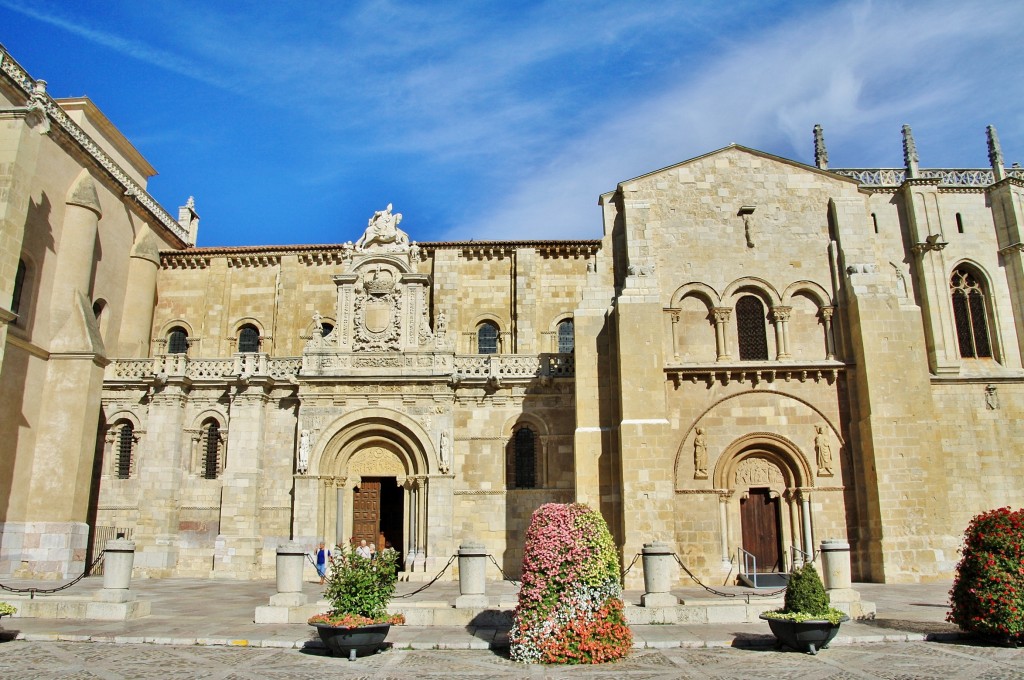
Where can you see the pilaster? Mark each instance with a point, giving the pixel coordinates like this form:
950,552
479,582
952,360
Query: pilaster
1007,202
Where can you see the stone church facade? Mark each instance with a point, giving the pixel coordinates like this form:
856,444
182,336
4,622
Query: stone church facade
755,356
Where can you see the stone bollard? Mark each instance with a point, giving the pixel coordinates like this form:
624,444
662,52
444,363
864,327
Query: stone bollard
115,602
657,559
291,558
472,581
118,560
835,563
835,567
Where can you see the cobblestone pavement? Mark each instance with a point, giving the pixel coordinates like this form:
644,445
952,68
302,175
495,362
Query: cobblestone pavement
891,661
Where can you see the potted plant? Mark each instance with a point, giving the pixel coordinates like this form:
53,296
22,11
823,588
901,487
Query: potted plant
358,590
806,621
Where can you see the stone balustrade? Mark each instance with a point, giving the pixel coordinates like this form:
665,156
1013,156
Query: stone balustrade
894,177
481,367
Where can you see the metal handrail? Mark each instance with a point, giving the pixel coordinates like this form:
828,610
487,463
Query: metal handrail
746,558
805,556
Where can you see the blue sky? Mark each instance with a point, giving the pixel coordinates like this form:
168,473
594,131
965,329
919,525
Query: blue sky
502,120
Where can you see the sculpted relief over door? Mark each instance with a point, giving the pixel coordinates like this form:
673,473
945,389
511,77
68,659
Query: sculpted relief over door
375,462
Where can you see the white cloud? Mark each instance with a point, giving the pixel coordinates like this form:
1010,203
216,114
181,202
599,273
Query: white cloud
852,69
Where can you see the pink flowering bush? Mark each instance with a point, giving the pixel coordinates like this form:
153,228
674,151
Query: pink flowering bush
570,604
988,591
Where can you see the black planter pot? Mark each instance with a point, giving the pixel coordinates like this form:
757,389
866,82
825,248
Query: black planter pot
353,642
804,636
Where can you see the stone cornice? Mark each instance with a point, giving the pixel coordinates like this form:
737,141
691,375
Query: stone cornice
132,189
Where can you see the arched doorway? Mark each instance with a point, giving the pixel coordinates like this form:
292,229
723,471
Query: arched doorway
369,477
765,516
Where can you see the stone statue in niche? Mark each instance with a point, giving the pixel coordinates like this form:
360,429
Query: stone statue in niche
441,325
823,452
445,454
382,229
302,466
318,323
991,398
700,455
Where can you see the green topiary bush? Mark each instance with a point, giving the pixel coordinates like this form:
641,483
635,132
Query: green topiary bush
805,593
988,590
570,606
806,599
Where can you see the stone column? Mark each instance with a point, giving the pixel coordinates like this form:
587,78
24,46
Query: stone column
140,298
657,560
805,506
723,522
826,320
673,315
472,581
780,317
722,315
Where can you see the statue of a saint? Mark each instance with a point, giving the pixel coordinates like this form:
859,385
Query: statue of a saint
700,455
445,456
304,447
318,324
823,452
383,230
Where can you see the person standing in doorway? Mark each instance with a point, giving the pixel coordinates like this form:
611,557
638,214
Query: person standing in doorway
363,550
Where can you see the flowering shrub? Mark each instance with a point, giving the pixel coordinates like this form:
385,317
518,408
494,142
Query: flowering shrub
570,606
7,609
359,589
988,591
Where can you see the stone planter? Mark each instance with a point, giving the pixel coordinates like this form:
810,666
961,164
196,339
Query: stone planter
352,642
804,636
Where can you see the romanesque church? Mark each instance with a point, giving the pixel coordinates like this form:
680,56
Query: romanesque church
755,356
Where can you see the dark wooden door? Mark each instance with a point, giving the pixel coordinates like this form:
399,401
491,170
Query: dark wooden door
759,518
366,511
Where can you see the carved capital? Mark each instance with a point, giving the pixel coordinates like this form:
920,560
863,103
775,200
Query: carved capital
722,314
781,313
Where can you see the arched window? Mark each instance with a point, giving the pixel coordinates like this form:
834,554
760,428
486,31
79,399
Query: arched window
522,469
487,338
19,286
326,329
566,341
177,341
248,338
125,444
211,441
969,313
750,329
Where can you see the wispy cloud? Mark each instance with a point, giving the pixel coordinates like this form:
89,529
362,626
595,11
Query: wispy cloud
851,68
164,59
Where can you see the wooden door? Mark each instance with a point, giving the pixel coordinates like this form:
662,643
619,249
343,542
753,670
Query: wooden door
759,518
366,511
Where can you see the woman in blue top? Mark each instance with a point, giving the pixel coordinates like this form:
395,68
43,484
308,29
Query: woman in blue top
322,555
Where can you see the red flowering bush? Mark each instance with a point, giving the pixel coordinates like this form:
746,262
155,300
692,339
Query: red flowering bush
570,604
988,592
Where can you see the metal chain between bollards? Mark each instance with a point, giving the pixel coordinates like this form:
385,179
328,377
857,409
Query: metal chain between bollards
429,583
719,592
33,591
503,574
635,558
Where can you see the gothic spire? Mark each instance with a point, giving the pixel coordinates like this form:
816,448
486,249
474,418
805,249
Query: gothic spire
910,158
995,153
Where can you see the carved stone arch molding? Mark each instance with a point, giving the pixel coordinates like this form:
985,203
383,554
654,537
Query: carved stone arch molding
373,439
762,459
684,452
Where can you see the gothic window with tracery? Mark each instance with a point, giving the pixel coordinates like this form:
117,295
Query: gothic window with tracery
522,473
566,341
248,338
969,314
177,341
125,446
487,338
750,329
212,443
